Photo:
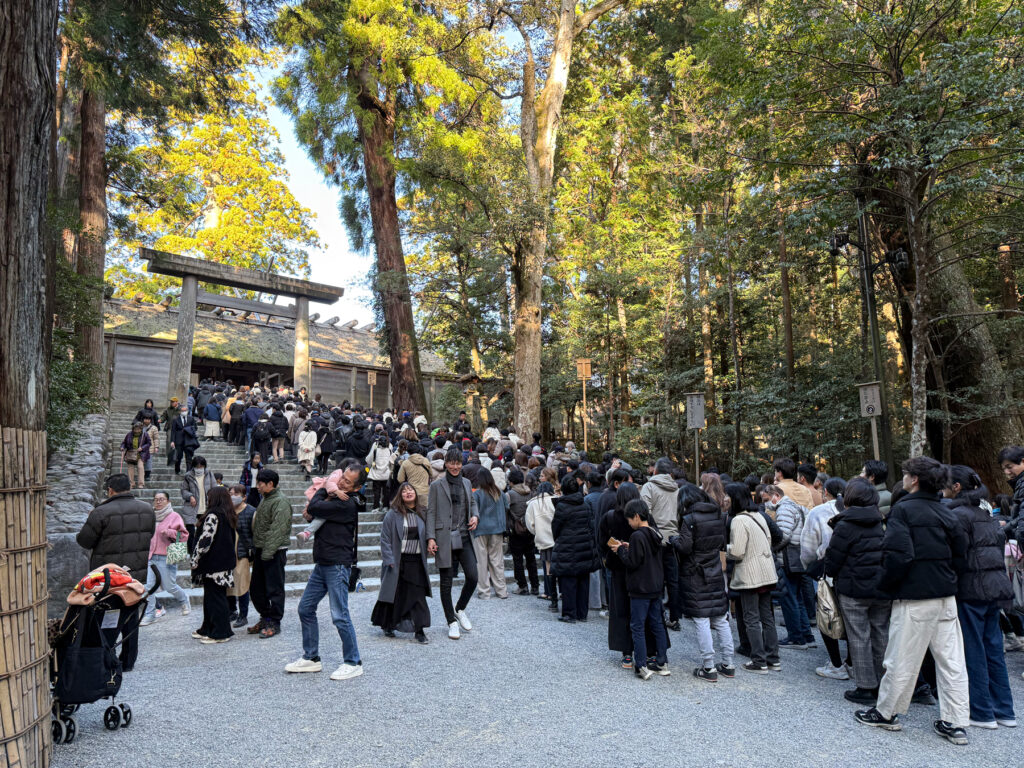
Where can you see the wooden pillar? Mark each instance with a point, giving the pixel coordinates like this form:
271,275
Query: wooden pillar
181,356
429,410
352,396
300,363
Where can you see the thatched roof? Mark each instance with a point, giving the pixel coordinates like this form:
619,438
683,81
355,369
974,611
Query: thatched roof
237,340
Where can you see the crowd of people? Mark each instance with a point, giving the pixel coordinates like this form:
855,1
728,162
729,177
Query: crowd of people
924,576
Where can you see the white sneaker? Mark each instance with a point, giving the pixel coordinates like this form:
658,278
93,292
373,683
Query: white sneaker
304,665
463,620
346,671
197,636
453,631
186,609
1007,723
212,640
832,673
147,620
987,725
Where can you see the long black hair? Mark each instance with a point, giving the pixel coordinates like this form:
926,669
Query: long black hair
218,502
739,498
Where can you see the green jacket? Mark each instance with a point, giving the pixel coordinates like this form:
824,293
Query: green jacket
272,524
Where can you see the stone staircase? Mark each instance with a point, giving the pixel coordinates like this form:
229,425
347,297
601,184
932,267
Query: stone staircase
229,460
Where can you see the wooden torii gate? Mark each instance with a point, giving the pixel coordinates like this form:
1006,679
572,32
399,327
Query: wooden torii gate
192,270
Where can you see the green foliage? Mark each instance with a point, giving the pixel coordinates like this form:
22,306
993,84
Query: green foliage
73,380
448,401
215,188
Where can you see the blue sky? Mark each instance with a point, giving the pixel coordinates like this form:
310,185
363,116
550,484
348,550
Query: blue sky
335,263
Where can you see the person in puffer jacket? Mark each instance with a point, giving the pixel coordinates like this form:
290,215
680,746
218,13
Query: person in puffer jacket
575,554
983,589
699,544
661,495
797,599
853,559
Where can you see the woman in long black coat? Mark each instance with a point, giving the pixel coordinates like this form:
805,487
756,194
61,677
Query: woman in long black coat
575,552
614,525
213,565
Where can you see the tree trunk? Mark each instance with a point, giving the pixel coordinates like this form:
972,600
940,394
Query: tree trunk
538,128
28,59
735,337
375,135
92,203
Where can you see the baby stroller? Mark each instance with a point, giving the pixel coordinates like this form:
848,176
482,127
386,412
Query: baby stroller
104,611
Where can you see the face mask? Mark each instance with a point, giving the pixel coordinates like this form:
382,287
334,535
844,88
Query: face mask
200,471
236,500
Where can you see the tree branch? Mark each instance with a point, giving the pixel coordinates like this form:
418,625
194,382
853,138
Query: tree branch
595,12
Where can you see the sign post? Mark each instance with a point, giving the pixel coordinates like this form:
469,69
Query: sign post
695,421
371,379
870,408
583,373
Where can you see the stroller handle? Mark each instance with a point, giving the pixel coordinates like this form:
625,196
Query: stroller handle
157,582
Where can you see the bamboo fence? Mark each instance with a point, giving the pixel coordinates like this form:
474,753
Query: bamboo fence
24,647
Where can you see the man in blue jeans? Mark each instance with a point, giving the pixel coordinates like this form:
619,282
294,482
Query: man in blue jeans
334,554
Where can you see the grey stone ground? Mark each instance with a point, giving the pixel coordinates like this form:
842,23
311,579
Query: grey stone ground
520,690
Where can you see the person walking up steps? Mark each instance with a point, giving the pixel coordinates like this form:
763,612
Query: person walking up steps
451,515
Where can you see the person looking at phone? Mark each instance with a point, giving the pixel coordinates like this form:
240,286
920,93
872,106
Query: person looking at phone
645,581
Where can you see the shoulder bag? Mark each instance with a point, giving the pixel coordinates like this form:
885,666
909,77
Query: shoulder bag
830,619
177,552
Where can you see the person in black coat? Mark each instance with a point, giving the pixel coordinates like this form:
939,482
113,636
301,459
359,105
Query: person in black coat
982,591
213,565
923,550
853,560
358,445
645,582
614,526
184,439
575,552
699,544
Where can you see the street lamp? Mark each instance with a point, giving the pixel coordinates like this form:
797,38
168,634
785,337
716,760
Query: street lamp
898,260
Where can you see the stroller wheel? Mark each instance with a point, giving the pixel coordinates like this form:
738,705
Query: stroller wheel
70,729
126,715
112,718
67,710
58,731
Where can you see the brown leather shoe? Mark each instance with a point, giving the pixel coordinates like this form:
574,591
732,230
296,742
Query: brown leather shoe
256,628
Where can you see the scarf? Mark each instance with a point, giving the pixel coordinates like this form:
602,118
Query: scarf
161,514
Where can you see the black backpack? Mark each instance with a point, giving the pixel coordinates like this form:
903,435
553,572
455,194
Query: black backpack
261,431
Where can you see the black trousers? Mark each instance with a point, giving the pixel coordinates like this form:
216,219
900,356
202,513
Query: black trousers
267,586
759,617
575,595
179,451
190,545
235,432
467,559
216,622
670,566
530,558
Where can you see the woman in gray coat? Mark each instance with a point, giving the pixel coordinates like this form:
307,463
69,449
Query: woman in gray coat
198,482
404,584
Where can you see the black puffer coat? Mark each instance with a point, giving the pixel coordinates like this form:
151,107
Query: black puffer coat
575,551
358,445
701,579
854,554
984,579
118,531
923,550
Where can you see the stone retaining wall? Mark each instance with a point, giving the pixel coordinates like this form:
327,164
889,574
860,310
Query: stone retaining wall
75,485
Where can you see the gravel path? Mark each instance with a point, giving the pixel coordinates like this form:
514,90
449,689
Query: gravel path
520,690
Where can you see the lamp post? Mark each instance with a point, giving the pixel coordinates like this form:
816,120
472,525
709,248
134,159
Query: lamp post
583,373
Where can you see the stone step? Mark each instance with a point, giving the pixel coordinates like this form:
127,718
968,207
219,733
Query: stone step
299,572
293,590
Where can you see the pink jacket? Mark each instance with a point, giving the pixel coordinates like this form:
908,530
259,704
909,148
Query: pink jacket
166,532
